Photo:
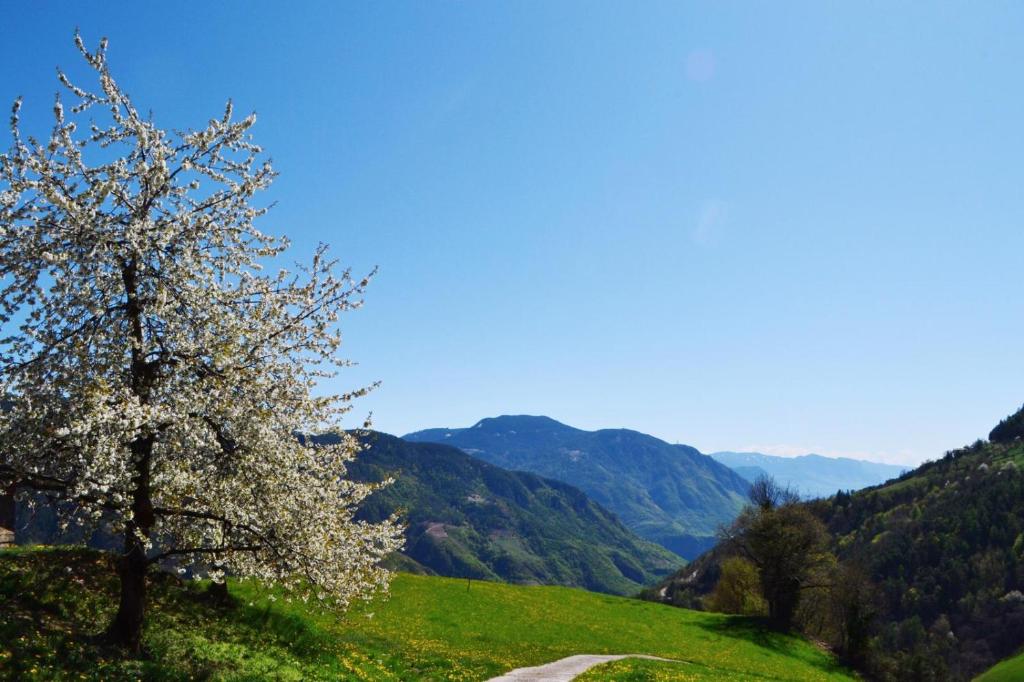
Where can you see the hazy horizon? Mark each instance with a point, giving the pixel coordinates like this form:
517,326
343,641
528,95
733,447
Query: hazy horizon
773,450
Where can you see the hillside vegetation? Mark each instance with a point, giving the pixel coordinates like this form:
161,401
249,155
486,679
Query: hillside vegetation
945,547
940,551
468,518
669,494
428,629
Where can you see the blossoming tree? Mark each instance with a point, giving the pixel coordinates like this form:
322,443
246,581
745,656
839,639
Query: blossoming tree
156,376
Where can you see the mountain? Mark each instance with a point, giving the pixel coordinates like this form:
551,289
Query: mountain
812,475
670,494
468,518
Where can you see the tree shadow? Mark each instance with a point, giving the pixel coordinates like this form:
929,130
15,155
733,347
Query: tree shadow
43,614
759,632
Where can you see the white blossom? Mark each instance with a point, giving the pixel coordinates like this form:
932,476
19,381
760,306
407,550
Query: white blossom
154,374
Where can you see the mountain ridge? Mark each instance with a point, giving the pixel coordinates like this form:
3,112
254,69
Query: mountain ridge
671,494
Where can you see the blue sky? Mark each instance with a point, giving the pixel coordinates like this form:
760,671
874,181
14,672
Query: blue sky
789,227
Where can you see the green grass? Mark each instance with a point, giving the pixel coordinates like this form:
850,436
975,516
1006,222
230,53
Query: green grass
1010,670
429,628
640,670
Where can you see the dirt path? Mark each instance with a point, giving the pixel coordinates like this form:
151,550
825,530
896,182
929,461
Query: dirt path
565,669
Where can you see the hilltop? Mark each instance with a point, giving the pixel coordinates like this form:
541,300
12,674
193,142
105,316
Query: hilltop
669,494
429,628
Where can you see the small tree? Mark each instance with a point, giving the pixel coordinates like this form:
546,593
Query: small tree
157,378
738,589
786,543
766,493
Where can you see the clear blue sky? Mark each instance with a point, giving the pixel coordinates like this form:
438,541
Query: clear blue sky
780,226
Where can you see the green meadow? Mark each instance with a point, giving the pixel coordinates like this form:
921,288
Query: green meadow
54,601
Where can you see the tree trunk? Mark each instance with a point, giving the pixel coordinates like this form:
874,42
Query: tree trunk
126,630
783,598
7,519
218,594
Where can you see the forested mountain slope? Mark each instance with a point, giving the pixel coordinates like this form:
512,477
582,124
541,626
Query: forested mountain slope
945,547
671,494
468,518
942,551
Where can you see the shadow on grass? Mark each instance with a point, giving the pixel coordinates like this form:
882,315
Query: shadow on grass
55,602
50,611
758,631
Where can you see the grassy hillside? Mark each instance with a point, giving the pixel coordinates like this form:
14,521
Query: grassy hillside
1010,670
670,494
468,518
428,629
